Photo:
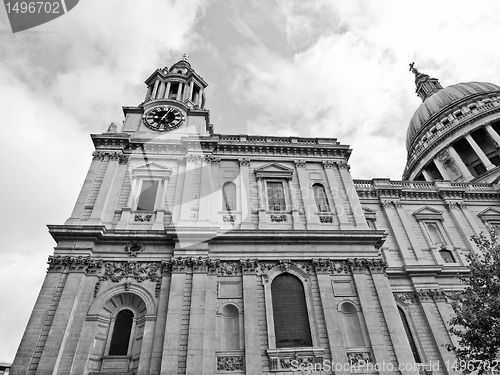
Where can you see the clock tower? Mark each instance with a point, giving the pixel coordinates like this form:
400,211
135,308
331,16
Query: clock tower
174,104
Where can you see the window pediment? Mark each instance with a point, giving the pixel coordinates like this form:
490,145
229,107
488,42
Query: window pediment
152,170
489,214
428,213
273,170
369,213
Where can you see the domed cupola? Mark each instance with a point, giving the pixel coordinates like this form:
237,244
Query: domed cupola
454,133
180,83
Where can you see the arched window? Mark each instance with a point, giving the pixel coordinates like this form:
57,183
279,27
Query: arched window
320,198
434,234
230,328
413,345
121,333
291,321
229,196
447,256
352,325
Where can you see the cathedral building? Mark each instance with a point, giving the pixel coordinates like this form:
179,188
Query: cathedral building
192,252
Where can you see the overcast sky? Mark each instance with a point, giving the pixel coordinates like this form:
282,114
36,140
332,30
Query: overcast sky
274,67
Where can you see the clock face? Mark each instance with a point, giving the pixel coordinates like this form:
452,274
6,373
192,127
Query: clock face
163,118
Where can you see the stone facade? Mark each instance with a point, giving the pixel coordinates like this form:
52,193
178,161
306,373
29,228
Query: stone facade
188,231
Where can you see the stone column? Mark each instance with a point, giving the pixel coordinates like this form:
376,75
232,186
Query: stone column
306,193
479,152
195,353
76,335
251,318
34,337
160,324
493,134
426,175
209,361
173,326
460,164
409,232
442,169
60,329
392,318
155,89
337,198
262,205
187,193
352,195
115,189
371,314
167,90
391,216
147,345
161,90
179,190
160,206
332,319
179,92
438,329
246,203
206,189
76,215
295,212
124,220
216,196
105,190
191,85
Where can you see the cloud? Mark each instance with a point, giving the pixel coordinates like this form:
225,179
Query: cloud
58,83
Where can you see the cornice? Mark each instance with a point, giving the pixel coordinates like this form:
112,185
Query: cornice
98,233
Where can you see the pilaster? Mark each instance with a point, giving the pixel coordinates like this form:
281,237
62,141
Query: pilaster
307,199
337,198
181,177
246,204
352,195
251,318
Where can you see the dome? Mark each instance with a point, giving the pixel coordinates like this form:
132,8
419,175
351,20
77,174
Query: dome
442,99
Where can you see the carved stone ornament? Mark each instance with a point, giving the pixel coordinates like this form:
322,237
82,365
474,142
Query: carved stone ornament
249,265
326,219
342,164
405,297
329,164
373,265
230,363
329,266
359,359
244,162
229,218
229,268
278,218
300,163
134,247
112,128
98,155
429,295
143,218
87,265
295,361
123,159
139,271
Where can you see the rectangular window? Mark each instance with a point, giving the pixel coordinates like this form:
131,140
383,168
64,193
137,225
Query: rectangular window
276,196
147,197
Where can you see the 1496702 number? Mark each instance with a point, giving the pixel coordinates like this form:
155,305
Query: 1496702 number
33,7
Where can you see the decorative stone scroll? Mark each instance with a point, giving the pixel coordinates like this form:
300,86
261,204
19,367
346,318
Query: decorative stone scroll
326,219
230,363
429,295
249,266
405,297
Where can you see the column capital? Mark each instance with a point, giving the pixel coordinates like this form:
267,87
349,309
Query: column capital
244,162
300,163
